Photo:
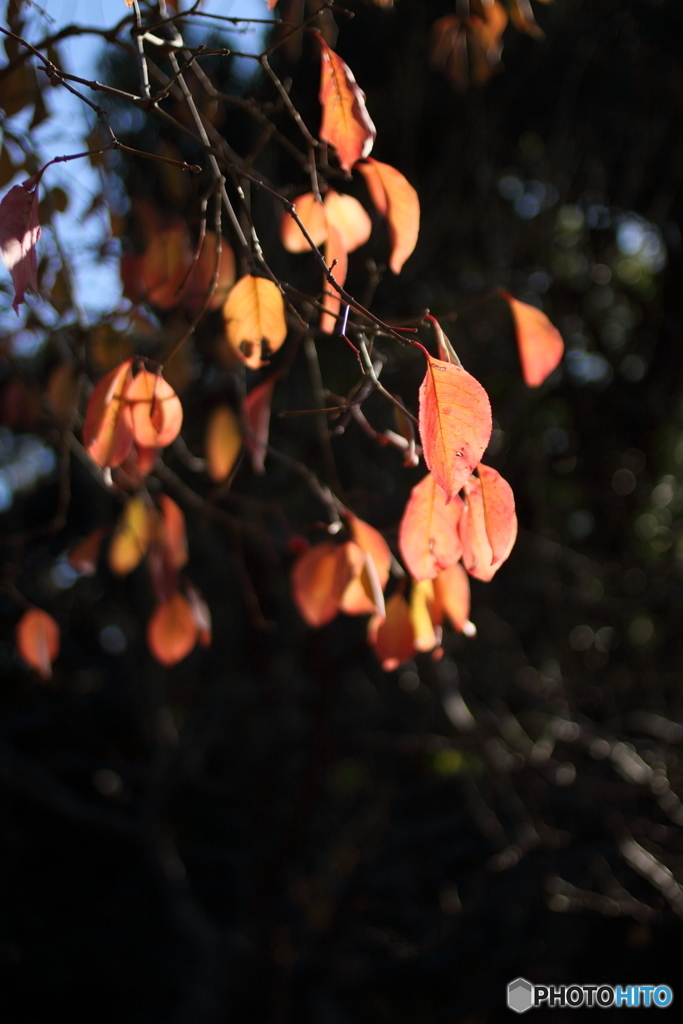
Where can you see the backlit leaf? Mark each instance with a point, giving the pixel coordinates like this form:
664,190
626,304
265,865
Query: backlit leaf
131,537
452,595
499,512
372,543
428,535
423,612
392,637
172,631
19,234
346,124
455,423
172,532
223,443
312,215
397,200
477,551
153,410
362,594
334,250
539,342
319,578
349,218
257,415
107,432
37,637
254,312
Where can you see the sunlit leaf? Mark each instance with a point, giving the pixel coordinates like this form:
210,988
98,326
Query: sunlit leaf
540,344
372,543
172,532
257,415
85,555
153,410
19,234
336,258
423,612
455,423
312,215
172,632
392,637
107,432
319,578
346,124
223,442
397,200
428,535
452,595
131,537
37,638
499,512
254,312
349,218
362,594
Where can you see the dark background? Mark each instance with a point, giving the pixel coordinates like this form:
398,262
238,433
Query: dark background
276,830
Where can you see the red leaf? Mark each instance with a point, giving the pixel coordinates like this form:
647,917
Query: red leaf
455,423
257,414
540,344
172,631
319,578
346,124
452,594
153,410
37,636
107,432
499,512
392,637
19,234
397,200
428,536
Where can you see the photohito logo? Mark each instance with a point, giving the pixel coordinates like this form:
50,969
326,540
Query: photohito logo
523,996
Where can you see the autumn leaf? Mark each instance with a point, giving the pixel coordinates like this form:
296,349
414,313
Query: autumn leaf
539,342
85,555
19,234
428,535
455,423
172,631
346,124
337,260
371,541
199,282
499,512
423,613
172,533
452,595
223,443
319,578
37,638
257,416
107,431
341,211
313,216
391,637
397,200
157,275
131,537
470,47
153,410
254,312
362,594
349,218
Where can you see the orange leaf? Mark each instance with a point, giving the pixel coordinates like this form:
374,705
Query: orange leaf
172,631
425,616
257,414
334,250
371,541
428,536
201,277
363,592
172,533
131,537
319,578
397,200
452,595
107,433
477,552
349,218
19,234
37,636
223,443
540,344
346,124
85,555
312,215
253,313
392,637
153,410
455,423
499,512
